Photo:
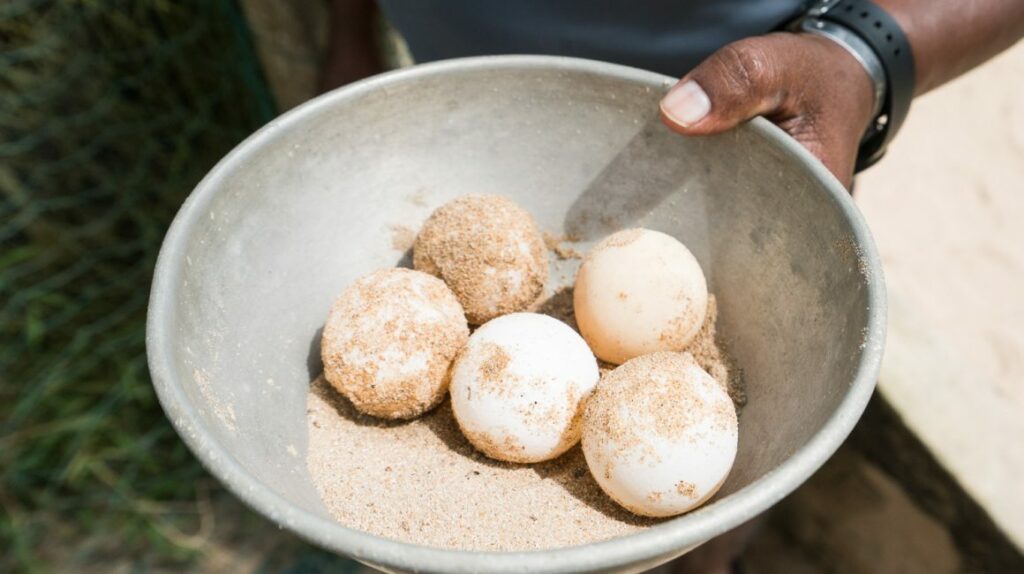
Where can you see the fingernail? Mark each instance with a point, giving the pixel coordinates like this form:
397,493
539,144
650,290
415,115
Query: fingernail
686,104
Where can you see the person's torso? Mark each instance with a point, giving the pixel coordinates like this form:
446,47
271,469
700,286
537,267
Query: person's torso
667,36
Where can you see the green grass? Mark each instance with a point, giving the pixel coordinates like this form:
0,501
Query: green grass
110,112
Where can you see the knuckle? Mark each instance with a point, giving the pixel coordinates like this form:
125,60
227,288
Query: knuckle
745,65
804,128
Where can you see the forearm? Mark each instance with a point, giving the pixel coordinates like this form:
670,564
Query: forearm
949,37
352,48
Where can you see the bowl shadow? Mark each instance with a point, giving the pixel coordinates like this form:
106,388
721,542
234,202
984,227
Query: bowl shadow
314,364
406,260
630,186
327,393
560,306
441,421
569,471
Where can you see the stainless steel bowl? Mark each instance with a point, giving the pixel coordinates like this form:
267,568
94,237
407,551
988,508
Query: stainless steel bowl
296,212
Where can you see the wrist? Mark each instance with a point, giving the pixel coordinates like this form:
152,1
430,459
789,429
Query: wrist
849,86
883,37
352,47
856,48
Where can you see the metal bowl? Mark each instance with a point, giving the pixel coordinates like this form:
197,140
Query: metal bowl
297,211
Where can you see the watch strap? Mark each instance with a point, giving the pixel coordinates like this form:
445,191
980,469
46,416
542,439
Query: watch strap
857,48
876,27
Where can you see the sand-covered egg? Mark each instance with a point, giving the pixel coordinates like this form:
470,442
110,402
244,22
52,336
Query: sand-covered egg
389,342
488,250
518,386
639,291
660,435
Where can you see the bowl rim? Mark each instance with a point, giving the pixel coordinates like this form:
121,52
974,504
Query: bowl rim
673,536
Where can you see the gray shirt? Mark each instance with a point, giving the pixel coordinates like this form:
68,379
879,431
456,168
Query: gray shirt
667,36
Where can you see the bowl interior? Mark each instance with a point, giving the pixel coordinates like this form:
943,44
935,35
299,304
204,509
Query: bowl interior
316,199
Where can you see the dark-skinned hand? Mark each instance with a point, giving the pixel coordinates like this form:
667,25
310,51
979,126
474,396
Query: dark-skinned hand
807,85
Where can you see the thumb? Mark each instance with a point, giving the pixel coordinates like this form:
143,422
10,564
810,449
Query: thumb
736,83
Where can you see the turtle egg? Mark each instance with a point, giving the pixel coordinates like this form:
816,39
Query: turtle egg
488,250
389,341
660,434
518,385
637,292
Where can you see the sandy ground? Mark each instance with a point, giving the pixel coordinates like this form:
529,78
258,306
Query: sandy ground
946,208
850,518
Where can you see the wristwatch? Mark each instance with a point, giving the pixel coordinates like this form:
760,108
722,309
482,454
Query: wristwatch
875,40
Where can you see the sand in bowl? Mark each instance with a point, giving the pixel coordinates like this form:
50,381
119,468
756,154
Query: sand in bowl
421,482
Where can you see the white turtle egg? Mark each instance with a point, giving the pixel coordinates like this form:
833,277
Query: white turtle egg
660,434
518,385
639,291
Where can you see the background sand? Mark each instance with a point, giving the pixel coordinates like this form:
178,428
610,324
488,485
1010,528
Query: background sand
946,208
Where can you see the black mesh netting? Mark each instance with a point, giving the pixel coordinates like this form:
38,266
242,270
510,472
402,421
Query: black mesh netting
110,112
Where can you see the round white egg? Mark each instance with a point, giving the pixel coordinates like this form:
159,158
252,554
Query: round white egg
660,434
518,385
637,292
488,250
389,342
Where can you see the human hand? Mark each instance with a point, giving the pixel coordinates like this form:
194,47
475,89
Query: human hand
807,85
